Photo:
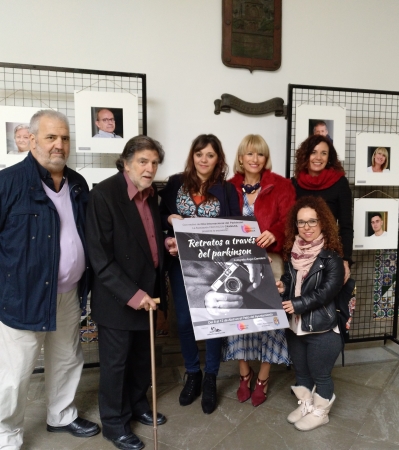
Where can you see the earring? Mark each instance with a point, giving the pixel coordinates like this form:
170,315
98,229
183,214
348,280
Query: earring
240,163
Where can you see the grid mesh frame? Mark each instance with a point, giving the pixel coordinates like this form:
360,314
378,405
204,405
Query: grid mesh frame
53,87
373,111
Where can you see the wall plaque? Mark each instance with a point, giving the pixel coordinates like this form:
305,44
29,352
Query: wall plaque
252,34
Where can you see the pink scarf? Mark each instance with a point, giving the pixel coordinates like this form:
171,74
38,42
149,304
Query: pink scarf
303,255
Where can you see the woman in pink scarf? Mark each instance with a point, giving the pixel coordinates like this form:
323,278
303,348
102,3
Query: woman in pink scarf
314,275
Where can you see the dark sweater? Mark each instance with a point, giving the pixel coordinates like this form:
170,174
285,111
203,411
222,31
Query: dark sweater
339,199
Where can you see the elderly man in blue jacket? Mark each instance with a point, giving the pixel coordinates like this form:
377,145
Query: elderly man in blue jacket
43,280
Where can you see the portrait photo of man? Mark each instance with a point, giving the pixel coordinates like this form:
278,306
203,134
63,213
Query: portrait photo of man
320,128
377,224
108,123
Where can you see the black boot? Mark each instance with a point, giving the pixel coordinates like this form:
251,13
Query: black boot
208,402
192,388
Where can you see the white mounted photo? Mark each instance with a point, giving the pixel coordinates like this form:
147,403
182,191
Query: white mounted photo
375,223
105,121
94,176
14,133
377,159
326,120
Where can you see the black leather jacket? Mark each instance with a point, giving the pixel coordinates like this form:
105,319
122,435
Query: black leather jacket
316,302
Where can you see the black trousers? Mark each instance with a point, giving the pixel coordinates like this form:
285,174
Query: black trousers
125,376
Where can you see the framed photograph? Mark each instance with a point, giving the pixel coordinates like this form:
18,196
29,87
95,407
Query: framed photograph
377,159
14,133
375,222
105,121
328,121
93,176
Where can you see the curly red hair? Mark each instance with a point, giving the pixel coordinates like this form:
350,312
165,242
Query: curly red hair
328,225
304,151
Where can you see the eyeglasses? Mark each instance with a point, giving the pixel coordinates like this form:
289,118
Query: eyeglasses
107,120
310,223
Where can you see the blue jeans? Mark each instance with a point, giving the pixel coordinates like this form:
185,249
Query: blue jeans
188,343
314,356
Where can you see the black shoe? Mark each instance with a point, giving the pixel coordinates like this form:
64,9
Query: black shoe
127,442
208,401
79,428
147,418
192,388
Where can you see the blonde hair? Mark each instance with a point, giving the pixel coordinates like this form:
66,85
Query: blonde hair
384,152
257,144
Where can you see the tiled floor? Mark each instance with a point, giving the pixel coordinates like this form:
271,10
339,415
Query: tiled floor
365,415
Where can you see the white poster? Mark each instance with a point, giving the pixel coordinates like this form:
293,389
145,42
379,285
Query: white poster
14,133
94,176
377,159
228,279
326,120
105,121
375,223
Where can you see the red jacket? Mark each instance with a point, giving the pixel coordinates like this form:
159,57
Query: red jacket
272,204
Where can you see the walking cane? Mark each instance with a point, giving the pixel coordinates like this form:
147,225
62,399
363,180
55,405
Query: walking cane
153,376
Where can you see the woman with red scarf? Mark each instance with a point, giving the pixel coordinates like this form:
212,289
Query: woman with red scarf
319,172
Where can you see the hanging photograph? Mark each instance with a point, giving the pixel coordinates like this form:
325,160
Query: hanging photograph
377,159
375,223
14,133
329,121
105,121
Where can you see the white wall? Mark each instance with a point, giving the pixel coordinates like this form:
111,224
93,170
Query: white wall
177,43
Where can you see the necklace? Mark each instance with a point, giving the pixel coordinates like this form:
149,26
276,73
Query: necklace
249,188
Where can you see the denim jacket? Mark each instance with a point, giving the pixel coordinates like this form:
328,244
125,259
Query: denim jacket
30,246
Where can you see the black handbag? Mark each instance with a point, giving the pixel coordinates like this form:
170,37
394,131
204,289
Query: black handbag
345,303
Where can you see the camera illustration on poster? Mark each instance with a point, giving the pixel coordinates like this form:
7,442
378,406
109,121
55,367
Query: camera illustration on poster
228,279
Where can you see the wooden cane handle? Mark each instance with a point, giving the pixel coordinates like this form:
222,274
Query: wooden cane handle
157,300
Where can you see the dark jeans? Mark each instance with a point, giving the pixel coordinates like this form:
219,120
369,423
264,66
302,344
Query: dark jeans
314,356
188,343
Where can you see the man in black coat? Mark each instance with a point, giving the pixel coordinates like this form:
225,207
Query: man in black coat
126,249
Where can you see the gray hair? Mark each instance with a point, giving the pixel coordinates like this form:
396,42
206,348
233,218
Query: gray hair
35,120
138,144
21,126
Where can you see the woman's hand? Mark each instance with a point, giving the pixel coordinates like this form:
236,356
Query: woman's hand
218,303
347,271
280,287
265,239
287,306
171,245
174,216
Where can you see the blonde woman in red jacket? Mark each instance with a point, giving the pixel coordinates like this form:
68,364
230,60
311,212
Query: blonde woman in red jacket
268,197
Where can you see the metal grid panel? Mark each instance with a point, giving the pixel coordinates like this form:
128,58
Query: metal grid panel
371,112
53,87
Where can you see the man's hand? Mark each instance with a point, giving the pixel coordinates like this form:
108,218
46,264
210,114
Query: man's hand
147,303
218,303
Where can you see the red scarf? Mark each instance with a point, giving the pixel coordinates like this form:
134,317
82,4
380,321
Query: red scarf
324,180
